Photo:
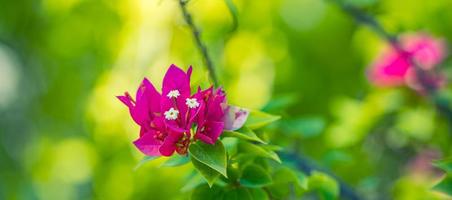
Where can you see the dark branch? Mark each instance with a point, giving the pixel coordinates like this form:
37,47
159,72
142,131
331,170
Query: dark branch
197,36
307,166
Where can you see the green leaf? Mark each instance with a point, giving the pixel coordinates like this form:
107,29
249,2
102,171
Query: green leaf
281,102
194,181
238,194
214,156
234,13
207,172
285,181
233,171
258,119
204,192
176,160
444,164
230,144
145,160
307,127
280,190
286,175
255,176
258,194
324,184
271,147
243,133
249,148
445,186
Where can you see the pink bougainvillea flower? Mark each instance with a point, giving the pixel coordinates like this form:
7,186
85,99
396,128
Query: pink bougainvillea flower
145,112
426,50
210,116
395,66
171,120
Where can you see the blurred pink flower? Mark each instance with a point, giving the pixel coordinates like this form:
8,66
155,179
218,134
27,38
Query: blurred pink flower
167,121
394,67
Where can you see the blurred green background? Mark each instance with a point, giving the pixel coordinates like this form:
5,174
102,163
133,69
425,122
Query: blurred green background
64,135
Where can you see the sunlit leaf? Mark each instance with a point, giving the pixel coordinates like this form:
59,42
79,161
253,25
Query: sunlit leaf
243,133
280,102
194,181
230,144
176,160
144,161
253,149
258,119
306,127
213,156
209,174
324,184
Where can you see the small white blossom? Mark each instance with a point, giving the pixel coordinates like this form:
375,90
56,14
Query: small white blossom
173,93
171,114
192,102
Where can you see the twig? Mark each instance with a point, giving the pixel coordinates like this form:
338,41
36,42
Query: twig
197,36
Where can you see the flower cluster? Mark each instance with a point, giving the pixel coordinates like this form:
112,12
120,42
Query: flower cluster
171,120
396,67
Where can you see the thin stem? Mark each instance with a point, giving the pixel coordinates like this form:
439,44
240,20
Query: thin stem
197,36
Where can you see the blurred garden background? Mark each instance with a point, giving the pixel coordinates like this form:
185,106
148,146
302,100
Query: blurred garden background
64,135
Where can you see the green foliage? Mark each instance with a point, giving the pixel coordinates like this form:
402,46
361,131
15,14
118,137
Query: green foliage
234,13
242,160
193,181
258,193
209,174
176,160
288,182
258,119
212,156
444,164
145,160
257,150
209,160
324,185
62,63
204,192
254,176
445,185
243,133
307,127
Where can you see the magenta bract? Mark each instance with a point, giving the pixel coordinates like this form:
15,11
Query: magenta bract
171,120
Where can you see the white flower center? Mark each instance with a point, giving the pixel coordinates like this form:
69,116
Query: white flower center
173,93
171,114
192,102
